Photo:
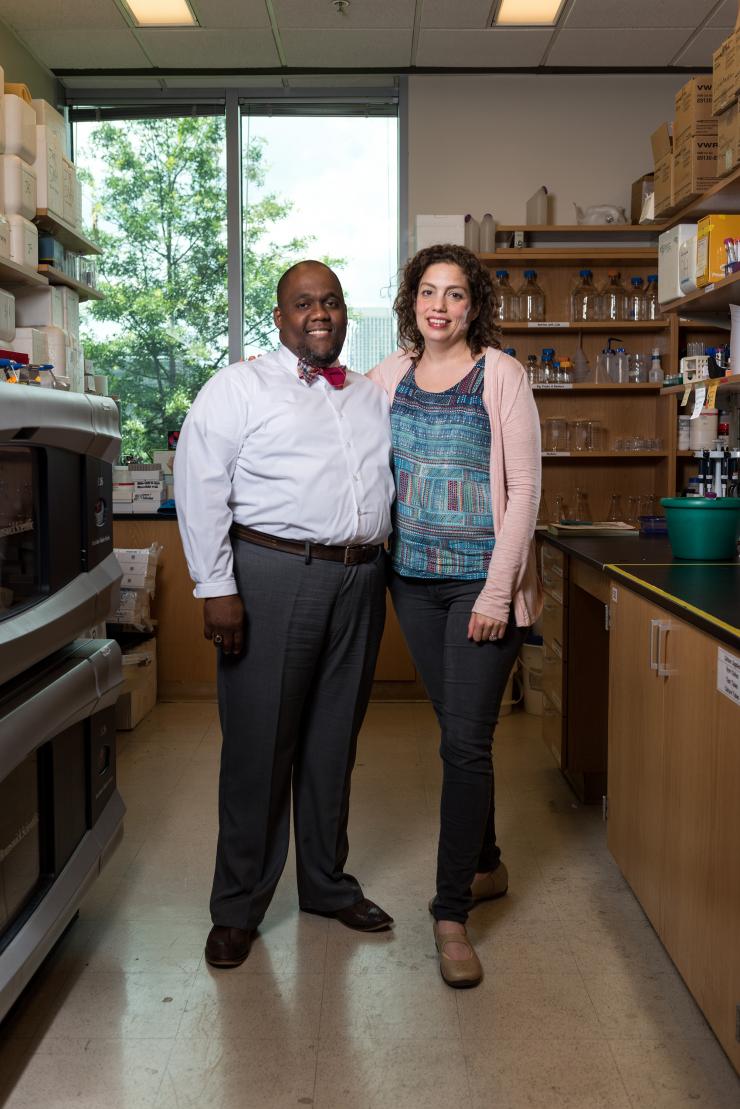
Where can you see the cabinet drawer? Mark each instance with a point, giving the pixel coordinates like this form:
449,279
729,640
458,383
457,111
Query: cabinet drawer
553,625
552,729
552,678
554,572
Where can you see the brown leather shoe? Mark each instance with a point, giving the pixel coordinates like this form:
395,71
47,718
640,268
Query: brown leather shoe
228,947
363,916
490,886
461,974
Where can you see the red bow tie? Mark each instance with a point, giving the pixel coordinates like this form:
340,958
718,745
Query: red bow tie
335,375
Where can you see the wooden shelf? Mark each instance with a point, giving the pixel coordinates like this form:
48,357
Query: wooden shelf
65,233
58,277
567,327
575,255
588,456
722,197
588,387
724,385
584,229
716,297
12,273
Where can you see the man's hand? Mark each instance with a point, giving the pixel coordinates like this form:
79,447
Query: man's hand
224,617
483,628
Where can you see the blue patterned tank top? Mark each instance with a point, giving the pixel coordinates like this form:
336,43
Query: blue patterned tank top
443,519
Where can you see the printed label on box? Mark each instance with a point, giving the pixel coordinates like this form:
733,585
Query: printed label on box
728,675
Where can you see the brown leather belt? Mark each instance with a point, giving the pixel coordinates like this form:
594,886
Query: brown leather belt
350,556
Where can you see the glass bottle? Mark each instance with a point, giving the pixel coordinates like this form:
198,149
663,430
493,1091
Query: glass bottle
531,298
615,508
614,298
651,303
636,300
543,513
621,370
558,508
547,372
583,509
508,301
566,371
584,301
655,374
510,351
533,369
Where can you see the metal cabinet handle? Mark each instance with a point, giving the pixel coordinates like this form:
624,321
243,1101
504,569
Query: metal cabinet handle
654,624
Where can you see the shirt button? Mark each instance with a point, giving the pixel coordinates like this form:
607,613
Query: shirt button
356,477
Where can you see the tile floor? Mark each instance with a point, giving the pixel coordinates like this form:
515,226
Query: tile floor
580,1006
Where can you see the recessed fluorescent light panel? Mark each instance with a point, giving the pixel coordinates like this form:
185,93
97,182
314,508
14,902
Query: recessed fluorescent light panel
528,13
161,13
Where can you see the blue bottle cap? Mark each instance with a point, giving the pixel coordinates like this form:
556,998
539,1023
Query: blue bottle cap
652,277
636,281
530,273
511,351
586,273
502,273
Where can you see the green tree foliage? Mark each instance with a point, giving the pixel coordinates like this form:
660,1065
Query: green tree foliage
160,208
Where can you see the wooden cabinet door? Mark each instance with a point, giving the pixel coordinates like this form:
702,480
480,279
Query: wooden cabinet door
635,750
700,903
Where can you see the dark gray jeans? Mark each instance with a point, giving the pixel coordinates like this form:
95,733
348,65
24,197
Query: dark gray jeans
291,706
465,682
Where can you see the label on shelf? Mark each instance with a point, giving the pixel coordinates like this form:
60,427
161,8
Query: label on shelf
553,386
549,324
712,393
700,395
556,454
728,675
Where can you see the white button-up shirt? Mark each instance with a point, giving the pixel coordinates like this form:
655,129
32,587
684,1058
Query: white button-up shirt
263,448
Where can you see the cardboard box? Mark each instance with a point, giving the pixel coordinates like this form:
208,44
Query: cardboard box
728,139
123,493
694,167
36,307
48,166
694,109
439,229
138,694
726,73
661,141
641,188
711,255
669,244
17,187
164,459
664,204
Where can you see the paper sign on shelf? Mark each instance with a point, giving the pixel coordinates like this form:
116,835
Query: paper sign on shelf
728,675
548,324
700,395
686,396
712,394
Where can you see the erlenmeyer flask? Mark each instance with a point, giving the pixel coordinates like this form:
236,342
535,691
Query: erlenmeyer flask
615,508
558,509
583,510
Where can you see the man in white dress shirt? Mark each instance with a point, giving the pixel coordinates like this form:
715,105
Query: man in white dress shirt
283,490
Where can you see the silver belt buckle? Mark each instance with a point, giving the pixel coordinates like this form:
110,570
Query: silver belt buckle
347,557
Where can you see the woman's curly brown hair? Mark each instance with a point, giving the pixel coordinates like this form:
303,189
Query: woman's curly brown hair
483,331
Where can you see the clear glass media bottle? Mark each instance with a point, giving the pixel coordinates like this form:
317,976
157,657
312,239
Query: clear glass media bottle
585,299
614,298
508,301
531,298
636,300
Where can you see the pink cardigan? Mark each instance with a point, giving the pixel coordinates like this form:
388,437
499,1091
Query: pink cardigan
516,467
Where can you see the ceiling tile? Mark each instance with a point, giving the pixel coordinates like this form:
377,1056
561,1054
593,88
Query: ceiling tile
360,13
699,51
231,13
201,48
62,14
232,81
617,47
493,47
94,50
726,15
456,13
349,49
639,13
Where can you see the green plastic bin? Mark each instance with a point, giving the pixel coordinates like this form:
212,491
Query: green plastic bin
703,528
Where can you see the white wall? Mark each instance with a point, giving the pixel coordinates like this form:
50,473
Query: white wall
23,69
484,144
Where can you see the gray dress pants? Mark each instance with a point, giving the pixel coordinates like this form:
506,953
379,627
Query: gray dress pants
291,706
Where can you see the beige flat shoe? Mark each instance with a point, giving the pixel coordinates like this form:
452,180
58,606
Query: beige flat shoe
492,885
461,974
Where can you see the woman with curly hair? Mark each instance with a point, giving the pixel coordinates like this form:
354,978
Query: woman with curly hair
466,459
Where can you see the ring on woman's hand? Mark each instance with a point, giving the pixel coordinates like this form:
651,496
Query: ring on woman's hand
218,640
493,636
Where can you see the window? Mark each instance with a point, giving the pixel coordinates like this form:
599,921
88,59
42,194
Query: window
157,188
322,187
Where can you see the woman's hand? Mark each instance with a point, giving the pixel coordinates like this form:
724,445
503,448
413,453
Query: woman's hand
483,628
